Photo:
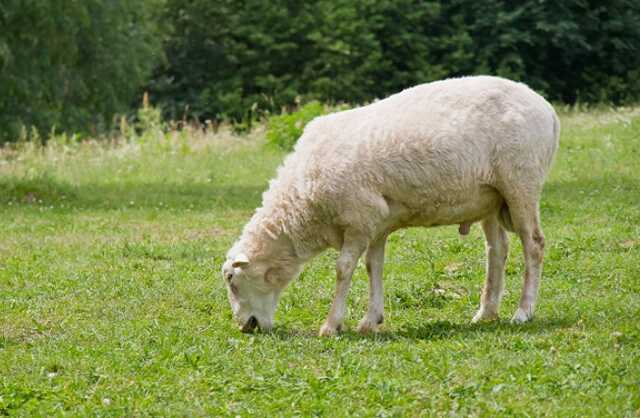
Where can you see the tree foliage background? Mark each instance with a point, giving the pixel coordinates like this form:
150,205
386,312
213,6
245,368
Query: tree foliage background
76,64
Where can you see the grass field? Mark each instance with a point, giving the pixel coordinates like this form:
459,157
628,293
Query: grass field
112,304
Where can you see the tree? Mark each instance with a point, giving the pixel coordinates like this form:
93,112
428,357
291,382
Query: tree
234,58
73,64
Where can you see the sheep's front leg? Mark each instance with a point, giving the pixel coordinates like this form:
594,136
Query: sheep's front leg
351,251
375,312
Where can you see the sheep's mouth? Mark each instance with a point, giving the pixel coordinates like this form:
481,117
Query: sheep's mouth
250,325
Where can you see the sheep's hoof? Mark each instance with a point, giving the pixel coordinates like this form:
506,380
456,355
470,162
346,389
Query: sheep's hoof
327,330
367,325
484,315
521,316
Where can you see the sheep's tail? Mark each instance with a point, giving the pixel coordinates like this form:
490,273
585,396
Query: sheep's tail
504,217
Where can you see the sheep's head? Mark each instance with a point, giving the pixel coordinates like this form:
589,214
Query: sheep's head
254,287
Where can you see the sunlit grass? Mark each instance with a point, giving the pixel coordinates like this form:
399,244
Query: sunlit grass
111,301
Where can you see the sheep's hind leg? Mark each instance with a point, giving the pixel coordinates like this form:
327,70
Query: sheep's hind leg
353,247
497,243
375,312
526,222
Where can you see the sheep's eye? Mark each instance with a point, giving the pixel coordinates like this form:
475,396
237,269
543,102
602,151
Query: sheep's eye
228,277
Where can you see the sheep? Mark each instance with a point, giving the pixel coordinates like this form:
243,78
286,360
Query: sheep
456,151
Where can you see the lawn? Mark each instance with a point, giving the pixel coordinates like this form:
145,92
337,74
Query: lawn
112,304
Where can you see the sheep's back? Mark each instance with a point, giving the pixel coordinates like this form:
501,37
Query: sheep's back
451,135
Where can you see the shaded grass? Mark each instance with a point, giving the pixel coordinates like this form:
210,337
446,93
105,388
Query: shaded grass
111,301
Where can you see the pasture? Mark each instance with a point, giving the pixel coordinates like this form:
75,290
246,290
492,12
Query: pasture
112,304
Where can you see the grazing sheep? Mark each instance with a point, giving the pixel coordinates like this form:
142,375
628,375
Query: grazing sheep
456,151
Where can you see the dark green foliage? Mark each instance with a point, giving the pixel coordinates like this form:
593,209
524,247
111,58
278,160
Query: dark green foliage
226,56
73,64
238,59
572,51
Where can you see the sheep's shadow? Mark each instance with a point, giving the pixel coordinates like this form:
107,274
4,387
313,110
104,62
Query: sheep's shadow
436,330
46,191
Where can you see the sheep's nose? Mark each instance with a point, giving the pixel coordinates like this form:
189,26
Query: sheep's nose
250,325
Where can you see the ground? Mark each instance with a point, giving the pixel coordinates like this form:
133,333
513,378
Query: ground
112,303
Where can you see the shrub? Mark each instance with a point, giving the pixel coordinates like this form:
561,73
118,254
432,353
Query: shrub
284,130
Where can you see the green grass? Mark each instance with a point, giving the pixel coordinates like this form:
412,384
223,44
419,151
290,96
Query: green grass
112,304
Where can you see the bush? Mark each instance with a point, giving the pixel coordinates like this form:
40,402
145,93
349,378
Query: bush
284,130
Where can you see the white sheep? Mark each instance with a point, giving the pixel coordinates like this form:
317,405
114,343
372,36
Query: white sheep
455,151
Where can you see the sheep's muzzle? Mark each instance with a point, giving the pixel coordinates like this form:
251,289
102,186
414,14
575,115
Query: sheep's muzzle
250,325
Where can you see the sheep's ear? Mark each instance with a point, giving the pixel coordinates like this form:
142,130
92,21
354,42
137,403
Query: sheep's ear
241,260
